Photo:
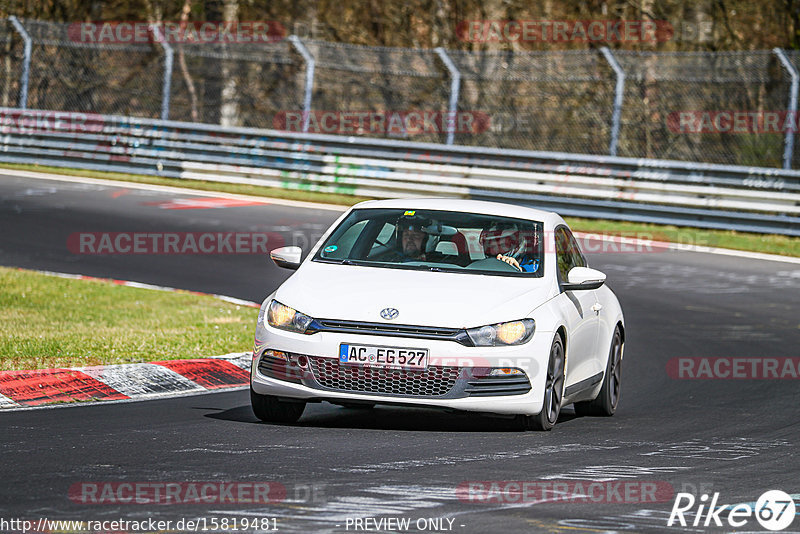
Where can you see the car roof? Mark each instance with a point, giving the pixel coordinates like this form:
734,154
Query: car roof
464,205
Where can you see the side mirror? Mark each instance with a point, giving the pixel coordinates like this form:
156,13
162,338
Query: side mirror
583,278
287,257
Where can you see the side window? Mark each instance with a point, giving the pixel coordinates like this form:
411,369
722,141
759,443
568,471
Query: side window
563,257
578,259
383,241
344,244
384,236
568,253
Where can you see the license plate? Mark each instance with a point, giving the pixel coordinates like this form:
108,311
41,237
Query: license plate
372,356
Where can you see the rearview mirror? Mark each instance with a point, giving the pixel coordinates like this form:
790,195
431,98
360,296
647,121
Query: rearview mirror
583,278
287,257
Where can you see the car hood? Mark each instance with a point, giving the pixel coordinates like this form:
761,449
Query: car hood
356,293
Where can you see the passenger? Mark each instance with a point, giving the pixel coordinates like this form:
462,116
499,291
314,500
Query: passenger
505,242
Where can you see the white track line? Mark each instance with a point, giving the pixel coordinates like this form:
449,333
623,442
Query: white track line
682,247
168,189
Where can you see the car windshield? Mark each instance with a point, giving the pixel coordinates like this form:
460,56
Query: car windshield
437,241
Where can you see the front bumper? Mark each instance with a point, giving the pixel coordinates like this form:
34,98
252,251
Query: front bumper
456,377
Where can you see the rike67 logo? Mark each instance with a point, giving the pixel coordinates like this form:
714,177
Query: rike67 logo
774,510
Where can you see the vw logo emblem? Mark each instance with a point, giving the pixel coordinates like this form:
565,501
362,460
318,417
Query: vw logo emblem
389,313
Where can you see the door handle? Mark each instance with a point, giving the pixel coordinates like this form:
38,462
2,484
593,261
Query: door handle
596,307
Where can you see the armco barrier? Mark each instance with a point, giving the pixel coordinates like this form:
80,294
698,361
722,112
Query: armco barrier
751,199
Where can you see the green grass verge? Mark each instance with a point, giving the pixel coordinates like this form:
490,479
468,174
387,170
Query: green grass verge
47,321
772,244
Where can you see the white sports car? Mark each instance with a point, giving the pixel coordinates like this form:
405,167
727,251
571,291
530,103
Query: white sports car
456,304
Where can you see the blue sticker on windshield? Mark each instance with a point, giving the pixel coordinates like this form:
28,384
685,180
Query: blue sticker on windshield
330,248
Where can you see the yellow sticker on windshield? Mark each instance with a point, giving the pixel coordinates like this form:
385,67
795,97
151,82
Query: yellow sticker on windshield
409,213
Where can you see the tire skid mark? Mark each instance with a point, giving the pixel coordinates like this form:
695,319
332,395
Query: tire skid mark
453,460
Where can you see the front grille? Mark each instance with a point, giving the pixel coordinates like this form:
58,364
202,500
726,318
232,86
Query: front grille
384,329
431,382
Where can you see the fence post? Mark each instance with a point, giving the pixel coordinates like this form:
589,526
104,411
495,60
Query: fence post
455,88
788,146
26,62
307,91
618,94
166,85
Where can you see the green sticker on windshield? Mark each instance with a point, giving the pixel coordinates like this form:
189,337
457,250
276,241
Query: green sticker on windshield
409,213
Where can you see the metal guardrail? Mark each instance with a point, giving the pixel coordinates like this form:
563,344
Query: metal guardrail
750,199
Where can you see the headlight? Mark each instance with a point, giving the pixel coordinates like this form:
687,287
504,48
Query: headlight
286,318
501,334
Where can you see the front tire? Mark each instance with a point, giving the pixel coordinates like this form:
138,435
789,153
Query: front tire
553,391
606,402
271,410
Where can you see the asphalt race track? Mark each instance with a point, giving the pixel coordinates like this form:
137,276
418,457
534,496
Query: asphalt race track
735,437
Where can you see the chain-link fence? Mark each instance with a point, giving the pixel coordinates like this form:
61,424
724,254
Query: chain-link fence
678,105
560,101
11,50
360,90
235,84
662,84
99,78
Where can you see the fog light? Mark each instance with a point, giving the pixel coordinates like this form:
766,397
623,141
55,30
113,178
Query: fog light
302,361
276,354
505,371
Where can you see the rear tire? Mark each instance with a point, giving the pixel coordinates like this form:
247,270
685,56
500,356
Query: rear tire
606,402
553,391
271,410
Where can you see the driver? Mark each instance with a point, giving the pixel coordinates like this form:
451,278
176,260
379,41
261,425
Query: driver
505,242
411,237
